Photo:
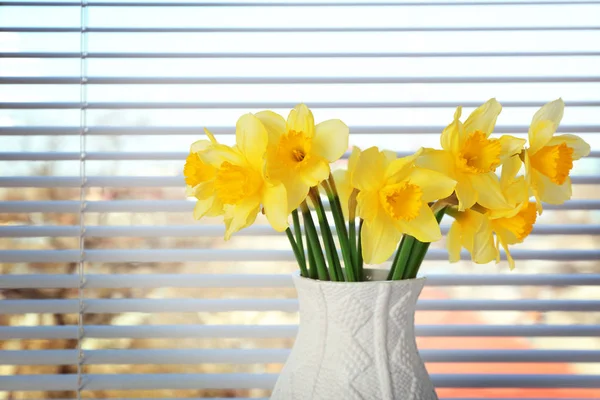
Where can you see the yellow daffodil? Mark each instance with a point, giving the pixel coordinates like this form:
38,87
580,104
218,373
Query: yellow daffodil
474,230
199,179
343,180
549,158
299,152
393,199
240,185
471,157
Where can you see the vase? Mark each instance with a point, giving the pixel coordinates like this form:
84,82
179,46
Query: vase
356,341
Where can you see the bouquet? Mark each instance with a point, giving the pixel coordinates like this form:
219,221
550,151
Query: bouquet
493,188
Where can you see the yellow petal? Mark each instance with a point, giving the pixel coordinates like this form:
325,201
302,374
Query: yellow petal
275,203
241,215
489,193
484,249
331,139
210,135
342,183
579,146
251,138
544,124
400,168
510,146
207,207
353,160
199,145
217,154
483,119
370,170
424,227
368,205
453,243
433,184
301,119
437,160
204,190
453,134
466,194
550,192
389,155
511,261
379,240
314,171
273,123
510,169
297,190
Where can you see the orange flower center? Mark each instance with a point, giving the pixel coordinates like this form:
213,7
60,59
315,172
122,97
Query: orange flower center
293,149
554,161
521,224
233,183
479,154
402,201
196,172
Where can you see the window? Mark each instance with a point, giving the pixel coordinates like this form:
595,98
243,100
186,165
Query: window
109,289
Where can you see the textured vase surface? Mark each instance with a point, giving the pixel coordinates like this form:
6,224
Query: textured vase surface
356,341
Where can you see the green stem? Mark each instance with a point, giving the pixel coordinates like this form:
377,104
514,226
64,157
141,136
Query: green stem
335,269
340,227
312,238
420,250
312,265
297,253
352,227
298,233
400,263
359,262
396,256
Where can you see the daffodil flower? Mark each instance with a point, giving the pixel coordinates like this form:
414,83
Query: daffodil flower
475,230
393,200
471,157
240,186
299,152
549,158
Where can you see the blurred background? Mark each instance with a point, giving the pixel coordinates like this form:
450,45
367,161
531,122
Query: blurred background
158,73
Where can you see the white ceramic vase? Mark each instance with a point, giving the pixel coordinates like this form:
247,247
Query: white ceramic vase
356,341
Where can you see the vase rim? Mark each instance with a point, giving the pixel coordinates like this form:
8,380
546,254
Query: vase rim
421,279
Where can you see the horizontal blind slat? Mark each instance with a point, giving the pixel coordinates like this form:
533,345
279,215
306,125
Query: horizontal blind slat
147,181
280,331
267,381
139,206
93,306
278,356
205,255
272,80
124,155
295,3
115,281
217,231
224,130
324,29
273,105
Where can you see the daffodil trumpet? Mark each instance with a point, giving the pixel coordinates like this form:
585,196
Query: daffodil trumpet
484,183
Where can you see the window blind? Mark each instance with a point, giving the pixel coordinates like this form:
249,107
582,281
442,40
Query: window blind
110,290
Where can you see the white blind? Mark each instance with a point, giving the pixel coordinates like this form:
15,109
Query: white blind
109,289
